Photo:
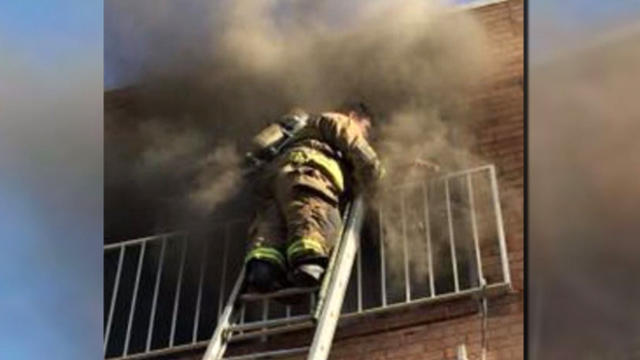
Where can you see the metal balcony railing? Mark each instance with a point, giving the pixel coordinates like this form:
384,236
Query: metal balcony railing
429,241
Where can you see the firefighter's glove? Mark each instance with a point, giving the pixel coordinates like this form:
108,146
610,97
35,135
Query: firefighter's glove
371,178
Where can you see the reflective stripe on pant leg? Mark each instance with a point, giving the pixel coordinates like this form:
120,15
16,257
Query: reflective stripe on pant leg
305,246
269,254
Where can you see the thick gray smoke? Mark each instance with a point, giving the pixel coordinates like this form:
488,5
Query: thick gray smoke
413,62
584,200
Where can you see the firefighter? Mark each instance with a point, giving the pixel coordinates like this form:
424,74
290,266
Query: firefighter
299,192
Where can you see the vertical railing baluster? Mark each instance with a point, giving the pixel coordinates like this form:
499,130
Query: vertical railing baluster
265,317
454,260
132,308
155,294
223,273
427,227
359,259
243,309
114,296
499,223
383,270
474,228
176,302
196,320
405,248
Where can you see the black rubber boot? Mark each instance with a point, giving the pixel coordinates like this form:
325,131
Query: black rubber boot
264,277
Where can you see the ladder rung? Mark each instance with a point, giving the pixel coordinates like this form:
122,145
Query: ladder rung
270,354
278,294
272,331
270,323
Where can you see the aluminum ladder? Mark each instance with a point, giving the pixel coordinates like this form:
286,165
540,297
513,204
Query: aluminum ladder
324,315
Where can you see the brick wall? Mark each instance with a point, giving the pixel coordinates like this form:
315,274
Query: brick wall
435,331
500,131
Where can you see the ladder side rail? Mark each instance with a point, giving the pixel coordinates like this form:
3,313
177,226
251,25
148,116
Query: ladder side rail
322,293
328,313
218,343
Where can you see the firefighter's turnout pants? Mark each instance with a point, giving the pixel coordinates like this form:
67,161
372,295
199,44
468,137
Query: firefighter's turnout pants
298,219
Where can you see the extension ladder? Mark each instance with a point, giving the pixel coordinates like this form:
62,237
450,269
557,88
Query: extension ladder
324,315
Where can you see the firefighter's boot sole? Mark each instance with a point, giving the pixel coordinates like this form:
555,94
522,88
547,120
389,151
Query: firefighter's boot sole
307,275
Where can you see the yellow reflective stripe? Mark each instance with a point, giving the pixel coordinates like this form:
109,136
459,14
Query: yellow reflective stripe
266,253
305,245
298,157
330,166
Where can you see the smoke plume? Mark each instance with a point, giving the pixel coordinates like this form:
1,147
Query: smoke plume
583,205
413,62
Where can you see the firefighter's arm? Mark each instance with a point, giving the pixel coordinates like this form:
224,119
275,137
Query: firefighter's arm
343,133
426,165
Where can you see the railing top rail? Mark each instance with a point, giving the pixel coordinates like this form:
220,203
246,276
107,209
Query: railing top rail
449,175
143,239
167,235
466,171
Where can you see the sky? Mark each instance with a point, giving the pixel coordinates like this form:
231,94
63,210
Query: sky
50,179
51,84
558,26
